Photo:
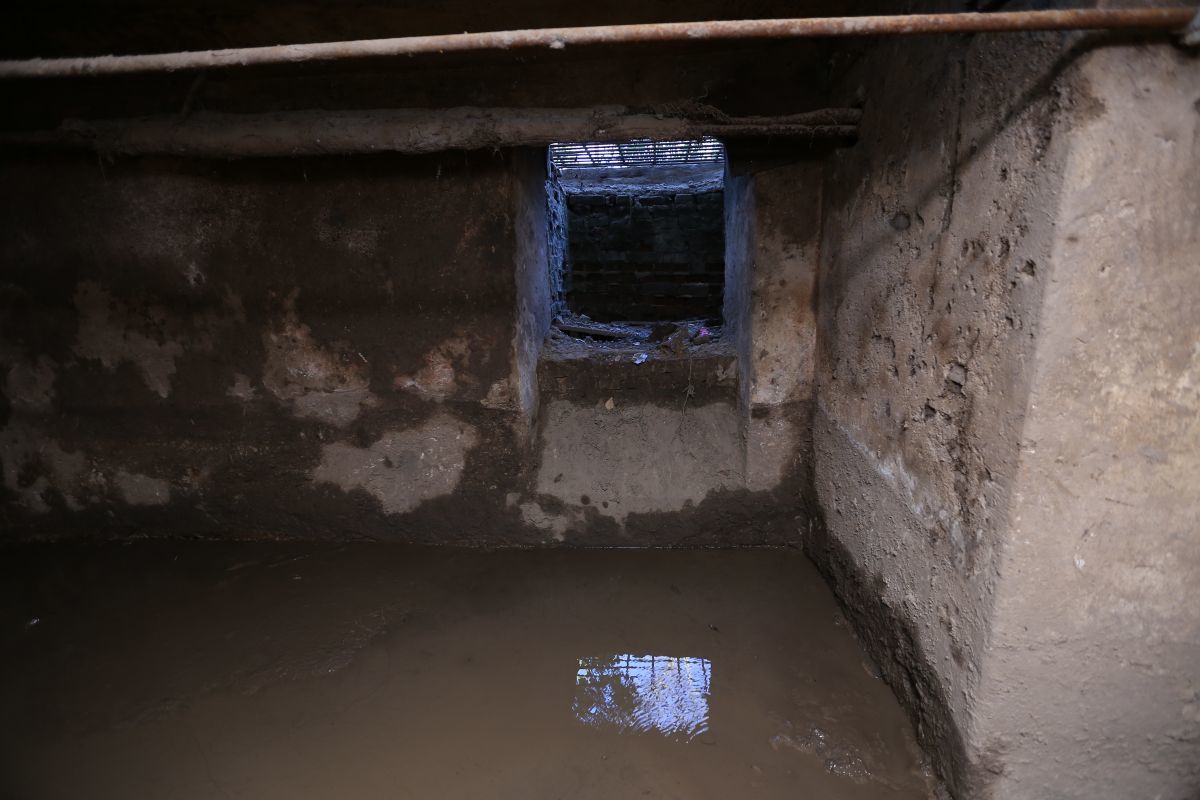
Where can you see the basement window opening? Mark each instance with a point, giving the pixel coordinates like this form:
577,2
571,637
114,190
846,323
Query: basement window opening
637,242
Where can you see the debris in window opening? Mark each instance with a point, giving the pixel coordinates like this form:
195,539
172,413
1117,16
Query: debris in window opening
677,341
577,336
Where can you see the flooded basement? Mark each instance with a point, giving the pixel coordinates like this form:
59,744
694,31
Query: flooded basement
200,670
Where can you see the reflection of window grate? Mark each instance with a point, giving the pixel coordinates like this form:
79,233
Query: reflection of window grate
638,153
663,694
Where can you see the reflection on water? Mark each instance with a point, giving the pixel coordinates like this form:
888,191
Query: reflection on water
644,693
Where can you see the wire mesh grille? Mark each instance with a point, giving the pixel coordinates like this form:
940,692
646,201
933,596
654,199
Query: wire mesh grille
637,153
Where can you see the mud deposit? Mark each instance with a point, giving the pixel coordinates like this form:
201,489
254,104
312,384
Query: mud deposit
200,670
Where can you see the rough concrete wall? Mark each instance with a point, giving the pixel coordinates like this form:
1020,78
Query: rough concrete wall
341,303
1090,687
309,347
540,236
338,348
646,256
1005,425
653,454
781,312
556,254
739,261
772,243
937,235
635,460
692,450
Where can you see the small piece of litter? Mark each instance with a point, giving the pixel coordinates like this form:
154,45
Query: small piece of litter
609,404
33,622
677,342
640,358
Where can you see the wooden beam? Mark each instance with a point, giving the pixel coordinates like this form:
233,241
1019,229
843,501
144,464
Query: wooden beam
417,130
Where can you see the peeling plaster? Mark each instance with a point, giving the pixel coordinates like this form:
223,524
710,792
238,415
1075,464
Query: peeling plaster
142,490
772,444
637,459
30,386
330,383
403,468
553,523
25,453
924,505
437,378
35,467
501,396
783,323
242,388
147,336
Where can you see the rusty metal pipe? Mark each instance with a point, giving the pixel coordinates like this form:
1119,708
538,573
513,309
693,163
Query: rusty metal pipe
1150,19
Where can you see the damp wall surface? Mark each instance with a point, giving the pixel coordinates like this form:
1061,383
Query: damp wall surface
316,348
697,450
342,348
999,302
772,249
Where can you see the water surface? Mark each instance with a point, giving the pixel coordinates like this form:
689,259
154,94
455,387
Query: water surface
202,670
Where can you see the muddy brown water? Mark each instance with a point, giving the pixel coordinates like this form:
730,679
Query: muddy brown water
201,670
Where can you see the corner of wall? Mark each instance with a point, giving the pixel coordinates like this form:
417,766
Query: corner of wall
932,239
1090,688
533,274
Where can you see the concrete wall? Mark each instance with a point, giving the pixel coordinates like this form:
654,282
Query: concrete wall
772,221
1090,685
953,304
936,227
697,449
739,266
540,242
556,253
779,313
338,347
343,348
970,341
313,348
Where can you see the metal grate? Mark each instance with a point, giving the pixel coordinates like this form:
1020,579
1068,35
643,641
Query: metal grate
637,153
